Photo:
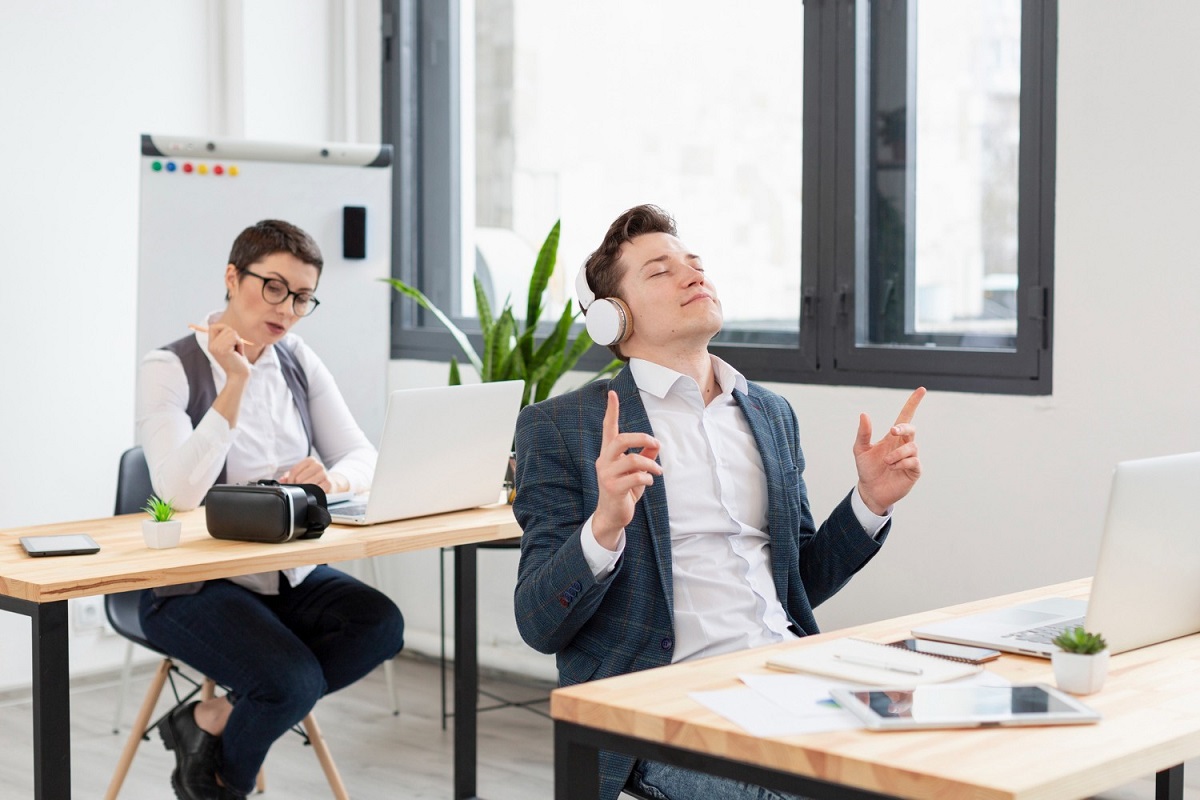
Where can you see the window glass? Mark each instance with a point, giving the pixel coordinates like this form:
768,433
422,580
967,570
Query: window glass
939,232
583,109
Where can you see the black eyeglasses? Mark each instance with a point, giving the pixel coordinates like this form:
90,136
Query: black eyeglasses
275,291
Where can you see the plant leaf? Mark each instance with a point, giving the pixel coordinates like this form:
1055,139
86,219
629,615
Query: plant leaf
613,368
556,342
500,345
484,309
424,302
455,378
542,270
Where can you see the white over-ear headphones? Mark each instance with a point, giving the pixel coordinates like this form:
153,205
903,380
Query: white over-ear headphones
608,321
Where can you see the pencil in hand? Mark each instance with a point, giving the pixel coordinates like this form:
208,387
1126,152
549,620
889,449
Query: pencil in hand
202,329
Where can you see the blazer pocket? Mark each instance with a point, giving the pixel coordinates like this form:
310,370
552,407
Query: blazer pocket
791,488
576,666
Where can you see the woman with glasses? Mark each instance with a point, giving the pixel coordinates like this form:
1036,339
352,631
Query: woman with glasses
240,400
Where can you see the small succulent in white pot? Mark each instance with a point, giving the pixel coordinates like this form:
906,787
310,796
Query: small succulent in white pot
162,529
1081,663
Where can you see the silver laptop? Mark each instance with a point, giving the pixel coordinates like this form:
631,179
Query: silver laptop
1146,588
443,449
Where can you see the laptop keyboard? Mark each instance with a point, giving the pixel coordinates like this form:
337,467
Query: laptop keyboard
1046,633
348,509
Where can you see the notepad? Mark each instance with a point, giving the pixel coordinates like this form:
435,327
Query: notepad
872,663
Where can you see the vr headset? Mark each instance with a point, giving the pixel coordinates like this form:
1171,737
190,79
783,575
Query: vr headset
267,511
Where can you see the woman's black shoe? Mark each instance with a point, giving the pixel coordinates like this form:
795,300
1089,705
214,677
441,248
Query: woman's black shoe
195,750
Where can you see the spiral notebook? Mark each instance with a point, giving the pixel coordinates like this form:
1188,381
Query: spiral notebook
872,663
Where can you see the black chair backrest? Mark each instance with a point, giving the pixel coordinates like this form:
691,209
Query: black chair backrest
133,482
133,489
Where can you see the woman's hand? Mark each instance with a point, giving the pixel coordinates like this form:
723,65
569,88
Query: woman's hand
226,347
228,350
310,470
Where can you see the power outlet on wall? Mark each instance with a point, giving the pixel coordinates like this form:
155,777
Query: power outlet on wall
89,614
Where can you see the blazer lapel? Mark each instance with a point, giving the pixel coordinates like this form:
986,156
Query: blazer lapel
768,449
653,504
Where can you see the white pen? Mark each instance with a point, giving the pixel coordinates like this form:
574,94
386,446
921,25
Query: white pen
866,662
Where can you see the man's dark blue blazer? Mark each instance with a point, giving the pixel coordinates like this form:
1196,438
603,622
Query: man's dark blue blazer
622,622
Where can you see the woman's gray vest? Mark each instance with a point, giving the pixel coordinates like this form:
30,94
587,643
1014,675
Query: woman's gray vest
202,391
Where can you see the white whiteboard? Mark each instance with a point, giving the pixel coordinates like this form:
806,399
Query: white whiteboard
198,194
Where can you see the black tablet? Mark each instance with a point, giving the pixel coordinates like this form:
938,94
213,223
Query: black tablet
962,706
65,544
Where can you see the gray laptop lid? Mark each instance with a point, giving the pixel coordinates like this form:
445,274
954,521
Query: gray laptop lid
1147,584
1145,588
443,449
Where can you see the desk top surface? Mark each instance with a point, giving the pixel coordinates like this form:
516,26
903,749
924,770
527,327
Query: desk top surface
1150,704
124,562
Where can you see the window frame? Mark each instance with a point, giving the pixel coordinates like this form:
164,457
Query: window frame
421,72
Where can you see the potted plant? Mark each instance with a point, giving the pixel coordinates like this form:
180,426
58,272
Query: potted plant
161,530
510,351
1081,663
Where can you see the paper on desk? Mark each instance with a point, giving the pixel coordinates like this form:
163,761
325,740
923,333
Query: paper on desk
788,705
779,705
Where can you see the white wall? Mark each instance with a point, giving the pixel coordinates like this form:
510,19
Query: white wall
1014,490
80,82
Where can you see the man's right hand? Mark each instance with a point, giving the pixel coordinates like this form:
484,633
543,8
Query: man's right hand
622,476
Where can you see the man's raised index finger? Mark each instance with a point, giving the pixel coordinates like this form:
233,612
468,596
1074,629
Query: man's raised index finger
612,414
910,408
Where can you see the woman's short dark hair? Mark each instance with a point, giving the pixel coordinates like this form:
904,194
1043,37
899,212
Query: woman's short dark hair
603,267
271,236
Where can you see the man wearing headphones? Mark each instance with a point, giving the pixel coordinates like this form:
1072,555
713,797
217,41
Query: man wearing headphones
664,512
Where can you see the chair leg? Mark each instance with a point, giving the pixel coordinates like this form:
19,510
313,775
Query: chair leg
325,757
139,729
126,672
208,689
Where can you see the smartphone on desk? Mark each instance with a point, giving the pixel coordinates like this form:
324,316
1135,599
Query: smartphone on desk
65,544
954,652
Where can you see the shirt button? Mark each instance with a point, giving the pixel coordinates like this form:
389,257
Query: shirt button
666,643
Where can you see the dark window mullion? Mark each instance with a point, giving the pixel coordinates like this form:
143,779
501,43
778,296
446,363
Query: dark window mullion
1035,253
845,216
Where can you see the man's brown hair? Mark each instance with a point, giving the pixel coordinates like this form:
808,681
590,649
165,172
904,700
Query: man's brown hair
603,267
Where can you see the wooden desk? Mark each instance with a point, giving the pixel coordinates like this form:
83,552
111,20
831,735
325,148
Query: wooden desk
40,587
1150,703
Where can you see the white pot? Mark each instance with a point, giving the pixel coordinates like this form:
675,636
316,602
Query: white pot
159,535
1080,674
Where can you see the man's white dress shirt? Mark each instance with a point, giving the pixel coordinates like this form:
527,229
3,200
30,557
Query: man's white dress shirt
716,489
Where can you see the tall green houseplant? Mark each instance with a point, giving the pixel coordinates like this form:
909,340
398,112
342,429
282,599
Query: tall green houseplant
510,350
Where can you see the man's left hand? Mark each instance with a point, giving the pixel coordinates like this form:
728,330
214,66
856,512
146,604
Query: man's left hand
888,469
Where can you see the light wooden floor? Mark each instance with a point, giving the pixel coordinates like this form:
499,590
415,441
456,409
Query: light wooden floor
381,756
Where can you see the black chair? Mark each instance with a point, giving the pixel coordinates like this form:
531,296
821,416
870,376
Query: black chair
133,489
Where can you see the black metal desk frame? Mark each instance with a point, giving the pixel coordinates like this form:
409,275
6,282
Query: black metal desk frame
52,699
577,767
